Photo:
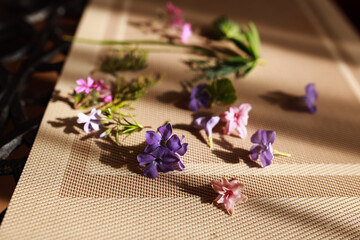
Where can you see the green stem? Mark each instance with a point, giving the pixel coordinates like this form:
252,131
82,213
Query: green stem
210,142
207,51
281,154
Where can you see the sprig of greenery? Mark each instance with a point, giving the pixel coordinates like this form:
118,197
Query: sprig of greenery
120,125
246,39
125,59
129,92
83,100
222,91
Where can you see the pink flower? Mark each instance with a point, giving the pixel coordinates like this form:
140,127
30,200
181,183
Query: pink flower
99,86
229,193
186,32
84,86
237,118
175,15
108,98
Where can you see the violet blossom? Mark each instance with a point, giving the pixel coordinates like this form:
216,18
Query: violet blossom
92,122
310,98
175,15
185,32
236,119
162,152
199,97
84,86
208,125
229,193
265,139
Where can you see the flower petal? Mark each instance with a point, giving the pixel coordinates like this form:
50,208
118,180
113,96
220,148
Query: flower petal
80,82
268,137
79,89
95,126
257,137
90,81
165,131
151,170
181,165
244,113
241,129
266,157
217,186
152,137
82,118
87,127
213,121
145,159
183,149
174,143
163,167
199,123
255,151
169,158
193,105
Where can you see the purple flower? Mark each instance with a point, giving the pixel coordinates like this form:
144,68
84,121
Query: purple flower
264,139
161,159
84,86
162,146
92,122
310,97
208,125
199,97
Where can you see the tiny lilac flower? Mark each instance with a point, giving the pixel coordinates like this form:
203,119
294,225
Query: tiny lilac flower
208,125
310,98
186,32
161,159
199,97
92,122
108,98
229,193
175,15
264,139
237,118
84,86
162,152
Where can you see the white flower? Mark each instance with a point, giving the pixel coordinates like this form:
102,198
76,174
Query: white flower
92,122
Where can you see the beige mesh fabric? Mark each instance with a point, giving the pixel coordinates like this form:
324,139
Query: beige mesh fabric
77,186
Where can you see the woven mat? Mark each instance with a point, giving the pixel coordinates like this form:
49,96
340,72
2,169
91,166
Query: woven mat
79,186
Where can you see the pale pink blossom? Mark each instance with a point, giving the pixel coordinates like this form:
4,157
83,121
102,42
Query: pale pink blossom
186,32
237,119
229,193
84,86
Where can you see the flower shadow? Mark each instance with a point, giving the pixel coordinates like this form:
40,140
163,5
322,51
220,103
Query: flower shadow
70,125
234,155
120,156
286,101
175,98
57,97
191,130
205,192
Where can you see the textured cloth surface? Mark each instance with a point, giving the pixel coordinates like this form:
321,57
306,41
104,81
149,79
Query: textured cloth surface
79,186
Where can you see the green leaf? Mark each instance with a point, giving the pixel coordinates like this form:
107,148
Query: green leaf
222,91
242,46
225,28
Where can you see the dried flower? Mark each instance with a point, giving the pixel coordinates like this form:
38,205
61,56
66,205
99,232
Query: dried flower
199,97
162,152
92,122
237,118
229,193
264,139
208,125
186,32
310,98
84,86
175,15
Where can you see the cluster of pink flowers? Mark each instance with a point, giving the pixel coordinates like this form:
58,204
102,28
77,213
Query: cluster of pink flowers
89,86
176,21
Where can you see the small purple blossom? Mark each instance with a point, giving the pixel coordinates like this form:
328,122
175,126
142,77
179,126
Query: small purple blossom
310,98
162,152
208,125
84,86
92,122
199,97
264,139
